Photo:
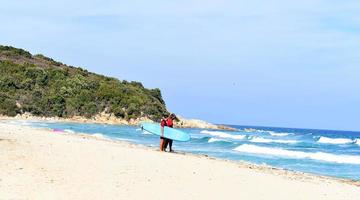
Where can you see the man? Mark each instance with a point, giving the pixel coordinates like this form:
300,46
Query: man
169,123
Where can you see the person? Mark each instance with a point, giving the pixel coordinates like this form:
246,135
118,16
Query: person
162,139
169,123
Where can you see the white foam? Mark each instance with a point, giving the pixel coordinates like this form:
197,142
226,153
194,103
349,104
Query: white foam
272,133
146,132
223,135
69,131
327,140
211,140
255,130
99,135
126,140
249,130
357,141
299,154
264,140
138,129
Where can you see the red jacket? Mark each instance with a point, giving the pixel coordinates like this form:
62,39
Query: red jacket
168,122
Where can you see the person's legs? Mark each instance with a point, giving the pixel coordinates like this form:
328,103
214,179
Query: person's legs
166,142
162,144
170,145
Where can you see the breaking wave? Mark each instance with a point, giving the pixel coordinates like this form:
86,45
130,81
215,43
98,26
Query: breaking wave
326,140
272,133
69,131
211,140
223,135
357,141
264,140
327,157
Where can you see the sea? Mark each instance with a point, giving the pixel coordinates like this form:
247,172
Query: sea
322,152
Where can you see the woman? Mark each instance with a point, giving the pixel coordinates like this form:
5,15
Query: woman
169,123
162,139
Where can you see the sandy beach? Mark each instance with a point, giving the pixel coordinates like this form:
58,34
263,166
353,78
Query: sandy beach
42,164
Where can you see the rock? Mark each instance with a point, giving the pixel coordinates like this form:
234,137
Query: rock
196,123
109,118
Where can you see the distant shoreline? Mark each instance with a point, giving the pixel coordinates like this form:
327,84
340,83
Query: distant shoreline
103,118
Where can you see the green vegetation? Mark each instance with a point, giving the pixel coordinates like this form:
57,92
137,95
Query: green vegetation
44,87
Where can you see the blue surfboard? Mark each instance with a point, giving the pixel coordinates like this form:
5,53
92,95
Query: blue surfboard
170,133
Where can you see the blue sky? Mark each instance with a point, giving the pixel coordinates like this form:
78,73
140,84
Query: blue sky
270,63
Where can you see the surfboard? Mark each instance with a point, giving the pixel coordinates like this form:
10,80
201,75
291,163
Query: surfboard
170,133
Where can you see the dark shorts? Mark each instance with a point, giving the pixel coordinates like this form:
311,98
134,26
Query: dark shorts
162,138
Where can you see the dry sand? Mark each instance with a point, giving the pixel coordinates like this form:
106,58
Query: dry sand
41,164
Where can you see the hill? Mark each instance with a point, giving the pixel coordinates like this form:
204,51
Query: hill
44,87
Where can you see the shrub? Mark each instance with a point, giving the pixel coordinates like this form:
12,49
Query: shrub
8,106
69,91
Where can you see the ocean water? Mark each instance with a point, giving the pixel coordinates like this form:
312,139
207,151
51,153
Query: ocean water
324,152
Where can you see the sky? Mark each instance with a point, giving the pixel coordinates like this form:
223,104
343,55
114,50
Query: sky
267,63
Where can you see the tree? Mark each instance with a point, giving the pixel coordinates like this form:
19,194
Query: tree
8,106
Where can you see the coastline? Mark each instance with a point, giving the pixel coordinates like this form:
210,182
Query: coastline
41,153
105,118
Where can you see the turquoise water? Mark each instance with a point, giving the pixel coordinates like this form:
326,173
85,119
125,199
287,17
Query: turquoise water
324,152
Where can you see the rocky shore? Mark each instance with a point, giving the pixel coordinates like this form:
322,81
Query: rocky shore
107,118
